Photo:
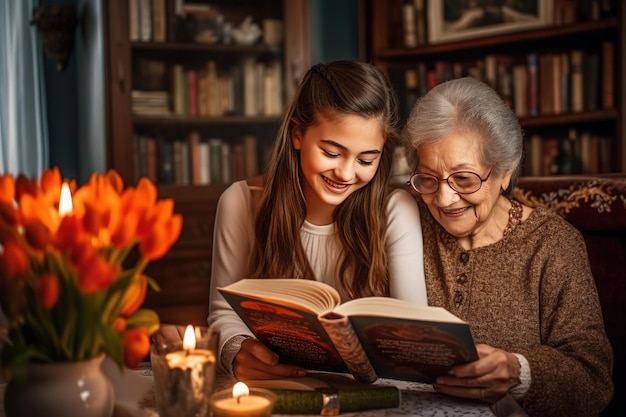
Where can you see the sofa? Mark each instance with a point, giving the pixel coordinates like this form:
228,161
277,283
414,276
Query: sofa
596,205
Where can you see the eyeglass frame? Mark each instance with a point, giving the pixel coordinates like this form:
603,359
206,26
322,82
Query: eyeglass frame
447,180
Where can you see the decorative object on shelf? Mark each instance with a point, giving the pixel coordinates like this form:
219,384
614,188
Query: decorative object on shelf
68,285
247,33
62,389
56,23
448,22
184,370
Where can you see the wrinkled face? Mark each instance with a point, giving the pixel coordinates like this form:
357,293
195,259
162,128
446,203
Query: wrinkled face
477,215
337,157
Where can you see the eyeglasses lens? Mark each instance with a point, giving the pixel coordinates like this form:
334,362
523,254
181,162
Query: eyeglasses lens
461,182
465,182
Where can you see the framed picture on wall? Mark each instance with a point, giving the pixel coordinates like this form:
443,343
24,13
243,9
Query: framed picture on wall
453,20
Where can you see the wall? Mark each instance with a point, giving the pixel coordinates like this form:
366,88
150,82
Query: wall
334,30
62,108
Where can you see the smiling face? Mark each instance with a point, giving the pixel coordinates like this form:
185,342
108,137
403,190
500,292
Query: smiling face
476,219
337,157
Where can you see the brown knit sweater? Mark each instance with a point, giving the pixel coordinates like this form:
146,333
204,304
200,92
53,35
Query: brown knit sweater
531,293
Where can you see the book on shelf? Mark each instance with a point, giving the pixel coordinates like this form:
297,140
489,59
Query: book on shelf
576,81
159,29
308,395
608,75
304,322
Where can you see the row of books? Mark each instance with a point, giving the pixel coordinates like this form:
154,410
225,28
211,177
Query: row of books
253,88
168,20
196,160
590,154
564,12
532,84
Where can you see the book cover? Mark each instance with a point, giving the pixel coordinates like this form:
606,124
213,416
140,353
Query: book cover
371,337
313,393
576,81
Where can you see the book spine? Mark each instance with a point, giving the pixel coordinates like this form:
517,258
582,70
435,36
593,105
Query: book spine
346,341
533,84
312,402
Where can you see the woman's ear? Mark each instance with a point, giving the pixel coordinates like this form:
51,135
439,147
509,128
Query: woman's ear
506,180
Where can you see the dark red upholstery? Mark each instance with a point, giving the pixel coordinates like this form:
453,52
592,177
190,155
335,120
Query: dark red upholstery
596,205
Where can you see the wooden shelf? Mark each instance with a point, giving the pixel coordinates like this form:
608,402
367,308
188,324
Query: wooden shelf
502,41
174,120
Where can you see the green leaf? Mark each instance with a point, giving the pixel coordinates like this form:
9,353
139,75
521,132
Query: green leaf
144,318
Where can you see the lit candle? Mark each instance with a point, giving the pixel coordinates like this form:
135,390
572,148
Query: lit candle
189,357
65,202
242,403
184,379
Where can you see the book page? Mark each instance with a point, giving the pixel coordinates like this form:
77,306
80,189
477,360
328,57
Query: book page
312,296
392,307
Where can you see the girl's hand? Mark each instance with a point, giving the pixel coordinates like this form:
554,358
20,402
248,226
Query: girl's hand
256,361
488,378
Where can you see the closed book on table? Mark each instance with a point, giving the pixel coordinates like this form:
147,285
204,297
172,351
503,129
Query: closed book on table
327,394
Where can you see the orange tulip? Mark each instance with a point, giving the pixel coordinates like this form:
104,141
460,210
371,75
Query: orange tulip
125,231
24,185
7,188
136,346
96,274
37,234
13,261
97,216
119,325
115,180
48,290
51,180
69,234
8,213
162,237
134,295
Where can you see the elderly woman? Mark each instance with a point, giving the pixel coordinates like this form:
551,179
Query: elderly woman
519,276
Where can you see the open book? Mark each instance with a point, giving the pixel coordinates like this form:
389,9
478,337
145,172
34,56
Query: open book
372,337
319,391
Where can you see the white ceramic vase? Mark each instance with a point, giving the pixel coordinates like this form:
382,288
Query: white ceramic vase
61,390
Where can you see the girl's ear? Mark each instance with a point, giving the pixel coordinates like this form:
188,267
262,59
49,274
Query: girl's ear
296,138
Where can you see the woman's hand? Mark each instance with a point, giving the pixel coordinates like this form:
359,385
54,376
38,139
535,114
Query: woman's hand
488,378
255,361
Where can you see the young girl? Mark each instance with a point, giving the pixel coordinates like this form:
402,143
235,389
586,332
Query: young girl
323,210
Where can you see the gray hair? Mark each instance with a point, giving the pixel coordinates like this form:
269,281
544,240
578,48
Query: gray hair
469,107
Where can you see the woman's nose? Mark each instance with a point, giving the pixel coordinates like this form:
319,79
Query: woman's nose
445,195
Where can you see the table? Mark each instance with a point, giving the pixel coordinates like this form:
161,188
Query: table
417,400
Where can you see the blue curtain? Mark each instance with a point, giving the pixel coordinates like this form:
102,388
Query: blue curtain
23,129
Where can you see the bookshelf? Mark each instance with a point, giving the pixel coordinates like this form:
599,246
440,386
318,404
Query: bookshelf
577,62
179,86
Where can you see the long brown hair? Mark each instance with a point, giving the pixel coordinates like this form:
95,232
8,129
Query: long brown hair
334,89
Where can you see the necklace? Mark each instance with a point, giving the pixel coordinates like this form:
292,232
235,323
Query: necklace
515,216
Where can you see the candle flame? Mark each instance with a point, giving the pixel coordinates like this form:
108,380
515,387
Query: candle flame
189,339
65,202
240,389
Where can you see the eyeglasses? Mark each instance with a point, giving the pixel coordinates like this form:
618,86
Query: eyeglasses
462,182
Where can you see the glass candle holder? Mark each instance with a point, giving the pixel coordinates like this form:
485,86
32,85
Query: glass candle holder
258,402
184,372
